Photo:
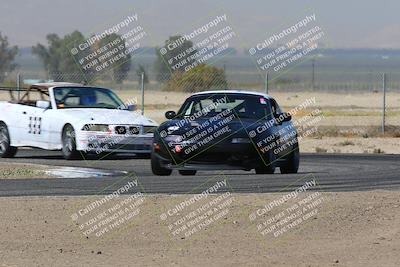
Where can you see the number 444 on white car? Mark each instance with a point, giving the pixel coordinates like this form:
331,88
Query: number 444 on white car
73,118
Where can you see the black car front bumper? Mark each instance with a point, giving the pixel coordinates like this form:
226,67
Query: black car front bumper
215,157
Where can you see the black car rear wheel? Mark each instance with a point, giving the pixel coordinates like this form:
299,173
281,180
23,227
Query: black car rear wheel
293,161
6,150
157,168
187,172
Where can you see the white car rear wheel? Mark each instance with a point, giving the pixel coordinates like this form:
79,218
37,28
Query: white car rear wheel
6,150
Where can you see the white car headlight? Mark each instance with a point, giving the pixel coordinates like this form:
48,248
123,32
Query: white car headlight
96,128
149,129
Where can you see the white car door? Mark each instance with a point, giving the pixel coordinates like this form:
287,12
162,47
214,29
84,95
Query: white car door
16,122
45,127
34,135
35,130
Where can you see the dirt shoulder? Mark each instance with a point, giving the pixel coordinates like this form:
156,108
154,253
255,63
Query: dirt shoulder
351,145
22,171
348,229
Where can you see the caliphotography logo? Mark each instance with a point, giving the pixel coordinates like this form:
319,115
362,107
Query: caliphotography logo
111,212
199,212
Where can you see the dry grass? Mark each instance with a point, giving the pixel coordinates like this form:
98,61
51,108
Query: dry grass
388,145
21,171
321,150
346,143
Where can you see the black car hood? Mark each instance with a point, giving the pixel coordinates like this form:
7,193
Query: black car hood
182,127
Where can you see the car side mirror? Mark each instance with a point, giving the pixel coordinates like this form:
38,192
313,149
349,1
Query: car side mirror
282,117
131,107
170,115
42,104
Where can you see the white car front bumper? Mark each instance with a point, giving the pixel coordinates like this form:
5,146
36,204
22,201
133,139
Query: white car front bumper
112,143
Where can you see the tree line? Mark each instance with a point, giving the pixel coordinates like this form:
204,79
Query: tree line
7,57
57,59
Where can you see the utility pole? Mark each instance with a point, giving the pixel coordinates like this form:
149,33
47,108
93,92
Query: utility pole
19,85
384,102
224,66
142,88
313,73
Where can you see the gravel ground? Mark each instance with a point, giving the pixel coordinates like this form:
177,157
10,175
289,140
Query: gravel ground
342,229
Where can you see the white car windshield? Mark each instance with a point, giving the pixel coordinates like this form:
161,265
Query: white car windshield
86,97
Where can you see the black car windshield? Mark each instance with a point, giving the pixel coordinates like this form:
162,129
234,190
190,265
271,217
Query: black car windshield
86,97
241,105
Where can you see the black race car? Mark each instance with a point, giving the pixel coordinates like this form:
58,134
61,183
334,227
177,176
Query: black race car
228,129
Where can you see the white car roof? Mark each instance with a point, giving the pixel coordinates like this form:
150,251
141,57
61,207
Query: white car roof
234,92
54,84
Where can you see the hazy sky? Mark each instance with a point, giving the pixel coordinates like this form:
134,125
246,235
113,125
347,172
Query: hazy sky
351,23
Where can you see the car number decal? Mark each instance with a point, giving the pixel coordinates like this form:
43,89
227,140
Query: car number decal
35,125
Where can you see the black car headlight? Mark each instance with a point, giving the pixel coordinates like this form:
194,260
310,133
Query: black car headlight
173,138
241,140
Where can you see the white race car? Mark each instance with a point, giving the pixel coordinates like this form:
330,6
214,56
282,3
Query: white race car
73,118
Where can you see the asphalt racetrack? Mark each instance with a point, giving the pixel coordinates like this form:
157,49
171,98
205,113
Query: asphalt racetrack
332,172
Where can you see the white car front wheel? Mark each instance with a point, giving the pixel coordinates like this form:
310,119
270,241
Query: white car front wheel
69,144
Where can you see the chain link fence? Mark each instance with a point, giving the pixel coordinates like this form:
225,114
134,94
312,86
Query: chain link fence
324,82
349,99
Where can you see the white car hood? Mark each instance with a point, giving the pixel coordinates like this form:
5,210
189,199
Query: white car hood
107,116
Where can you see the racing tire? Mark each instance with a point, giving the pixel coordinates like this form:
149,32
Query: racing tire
156,167
6,150
293,161
69,144
103,155
143,155
187,172
268,165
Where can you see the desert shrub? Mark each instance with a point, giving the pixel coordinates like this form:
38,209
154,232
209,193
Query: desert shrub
378,151
346,143
321,150
199,78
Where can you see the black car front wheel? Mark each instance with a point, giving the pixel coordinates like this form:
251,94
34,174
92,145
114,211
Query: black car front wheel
187,172
6,150
293,161
157,168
